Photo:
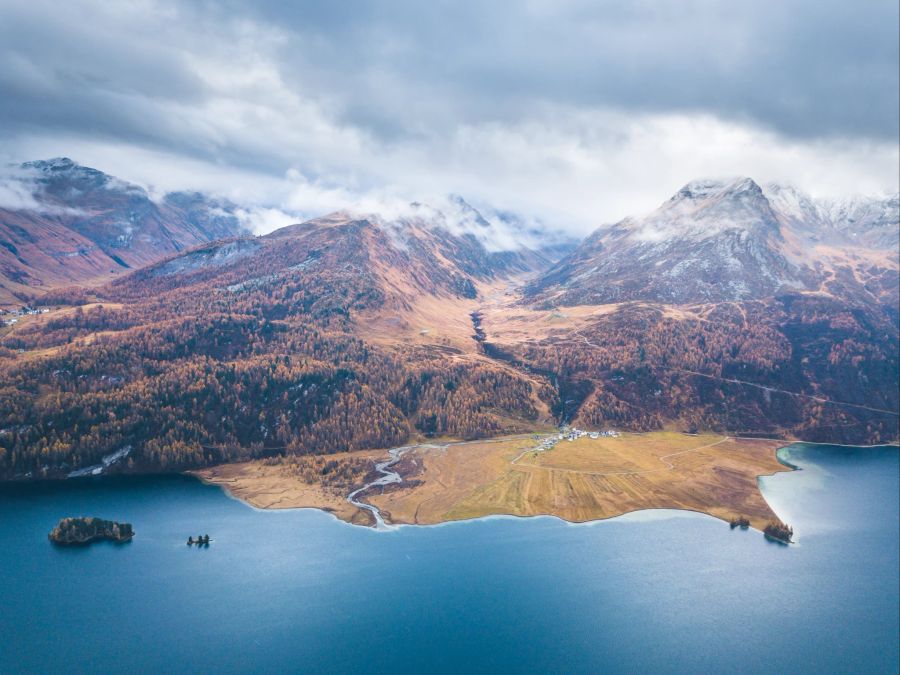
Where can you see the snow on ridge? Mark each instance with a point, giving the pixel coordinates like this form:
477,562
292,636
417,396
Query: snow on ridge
703,209
707,208
857,219
497,231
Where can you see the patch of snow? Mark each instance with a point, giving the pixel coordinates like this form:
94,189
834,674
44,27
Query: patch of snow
105,462
215,256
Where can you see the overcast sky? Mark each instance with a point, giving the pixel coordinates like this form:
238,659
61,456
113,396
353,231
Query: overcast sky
579,112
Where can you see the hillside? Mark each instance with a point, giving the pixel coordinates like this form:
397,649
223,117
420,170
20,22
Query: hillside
397,261
798,365
306,340
82,225
355,332
730,307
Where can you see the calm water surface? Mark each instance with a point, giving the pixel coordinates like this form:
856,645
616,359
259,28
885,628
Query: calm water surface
300,591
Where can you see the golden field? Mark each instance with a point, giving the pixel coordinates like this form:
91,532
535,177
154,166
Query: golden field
588,479
580,480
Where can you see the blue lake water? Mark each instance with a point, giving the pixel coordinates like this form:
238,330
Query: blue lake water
301,591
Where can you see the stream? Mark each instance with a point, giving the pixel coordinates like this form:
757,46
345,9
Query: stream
387,477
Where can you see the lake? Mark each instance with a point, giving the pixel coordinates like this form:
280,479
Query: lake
300,591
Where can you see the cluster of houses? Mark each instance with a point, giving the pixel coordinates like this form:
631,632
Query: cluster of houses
568,433
14,314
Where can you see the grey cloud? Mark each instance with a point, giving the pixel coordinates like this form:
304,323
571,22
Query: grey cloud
808,68
547,104
16,190
19,191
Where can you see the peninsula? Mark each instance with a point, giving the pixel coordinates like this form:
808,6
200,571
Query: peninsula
577,477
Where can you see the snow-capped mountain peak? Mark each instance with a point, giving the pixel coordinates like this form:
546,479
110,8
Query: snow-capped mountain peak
855,220
726,240
705,188
706,208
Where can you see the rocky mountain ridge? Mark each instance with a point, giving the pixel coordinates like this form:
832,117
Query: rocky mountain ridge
720,241
77,225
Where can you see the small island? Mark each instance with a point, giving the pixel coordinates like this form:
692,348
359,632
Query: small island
780,532
77,531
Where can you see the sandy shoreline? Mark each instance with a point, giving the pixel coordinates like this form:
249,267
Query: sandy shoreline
265,487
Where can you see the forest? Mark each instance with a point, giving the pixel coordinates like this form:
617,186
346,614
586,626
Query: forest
810,367
255,348
191,391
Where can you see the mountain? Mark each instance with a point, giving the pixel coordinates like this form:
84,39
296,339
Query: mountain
346,331
365,260
867,221
79,225
731,308
720,241
858,221
505,231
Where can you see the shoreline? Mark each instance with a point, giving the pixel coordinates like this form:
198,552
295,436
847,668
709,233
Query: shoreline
266,488
283,493
390,527
655,513
399,502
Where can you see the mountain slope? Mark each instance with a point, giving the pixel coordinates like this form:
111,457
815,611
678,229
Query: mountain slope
253,346
753,310
84,225
720,241
358,331
341,262
868,222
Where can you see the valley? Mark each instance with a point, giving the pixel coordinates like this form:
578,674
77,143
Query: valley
355,333
449,337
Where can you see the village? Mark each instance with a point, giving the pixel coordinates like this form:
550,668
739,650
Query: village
24,311
567,433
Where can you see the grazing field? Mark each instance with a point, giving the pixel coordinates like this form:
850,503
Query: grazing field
586,479
580,480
